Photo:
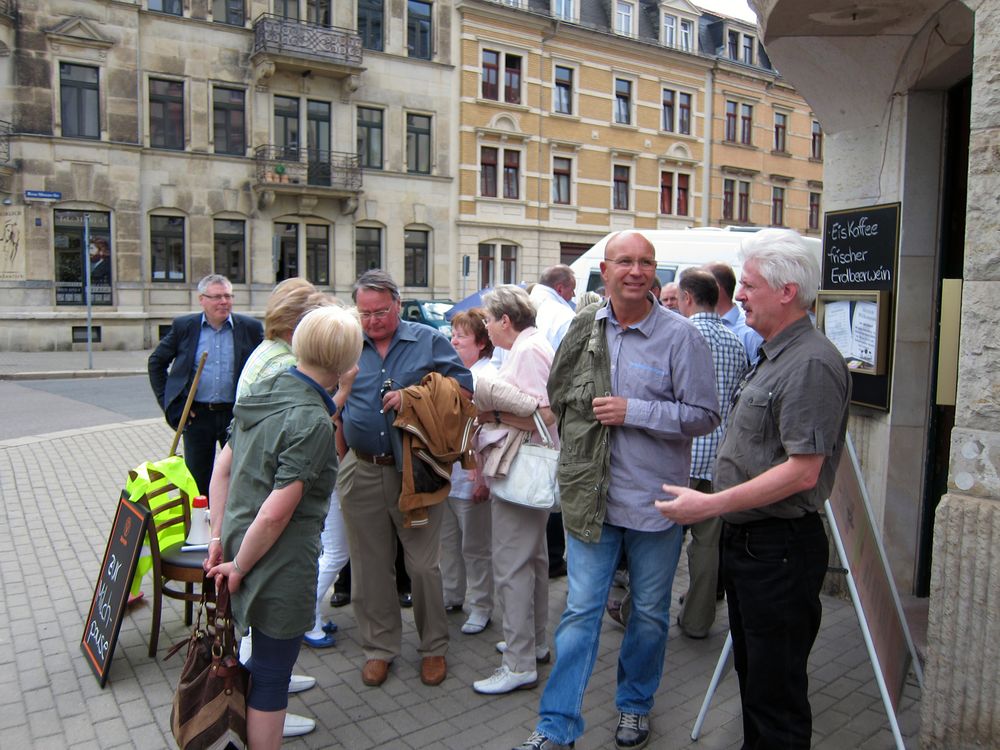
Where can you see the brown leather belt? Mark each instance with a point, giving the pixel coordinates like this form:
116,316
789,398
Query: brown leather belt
385,459
216,406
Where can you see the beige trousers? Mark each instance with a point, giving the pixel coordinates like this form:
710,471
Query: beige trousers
369,499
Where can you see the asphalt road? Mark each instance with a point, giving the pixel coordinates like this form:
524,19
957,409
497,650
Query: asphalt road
38,407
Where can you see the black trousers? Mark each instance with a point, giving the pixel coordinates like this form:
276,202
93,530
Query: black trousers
773,570
204,431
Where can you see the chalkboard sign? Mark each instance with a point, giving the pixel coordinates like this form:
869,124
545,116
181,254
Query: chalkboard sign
108,605
861,253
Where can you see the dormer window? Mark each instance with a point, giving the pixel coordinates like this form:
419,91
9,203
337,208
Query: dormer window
733,45
748,44
623,17
669,30
687,35
565,10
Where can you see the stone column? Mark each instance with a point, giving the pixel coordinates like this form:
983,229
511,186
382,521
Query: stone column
961,700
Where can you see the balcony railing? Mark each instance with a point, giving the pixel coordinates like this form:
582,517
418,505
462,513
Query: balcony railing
289,37
8,8
4,139
280,166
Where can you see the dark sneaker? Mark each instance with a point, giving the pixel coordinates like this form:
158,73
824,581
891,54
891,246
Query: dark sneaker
538,741
632,731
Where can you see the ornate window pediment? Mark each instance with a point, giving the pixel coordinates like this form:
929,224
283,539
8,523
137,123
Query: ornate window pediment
78,32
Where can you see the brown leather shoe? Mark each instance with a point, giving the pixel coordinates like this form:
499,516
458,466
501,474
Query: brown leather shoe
433,670
375,672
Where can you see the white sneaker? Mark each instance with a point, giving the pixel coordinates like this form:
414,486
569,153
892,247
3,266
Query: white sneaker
296,726
505,681
542,654
476,623
300,682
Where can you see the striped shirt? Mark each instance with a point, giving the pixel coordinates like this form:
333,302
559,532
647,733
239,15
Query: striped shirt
730,361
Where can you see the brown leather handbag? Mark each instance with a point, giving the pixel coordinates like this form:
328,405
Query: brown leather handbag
210,706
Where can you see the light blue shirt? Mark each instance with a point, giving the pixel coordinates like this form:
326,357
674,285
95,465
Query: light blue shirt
663,366
217,384
736,321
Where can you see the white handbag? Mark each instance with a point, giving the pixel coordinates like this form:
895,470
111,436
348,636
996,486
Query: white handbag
531,479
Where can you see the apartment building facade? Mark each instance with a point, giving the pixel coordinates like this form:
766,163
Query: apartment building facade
581,117
157,141
456,145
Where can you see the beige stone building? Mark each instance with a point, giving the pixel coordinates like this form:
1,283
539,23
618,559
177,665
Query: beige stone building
907,92
579,118
156,141
261,140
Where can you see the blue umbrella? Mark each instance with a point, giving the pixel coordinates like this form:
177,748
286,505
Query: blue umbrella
473,300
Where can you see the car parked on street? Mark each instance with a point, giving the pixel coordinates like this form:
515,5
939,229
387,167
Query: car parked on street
429,312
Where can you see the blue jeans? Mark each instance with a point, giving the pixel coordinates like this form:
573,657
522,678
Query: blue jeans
652,560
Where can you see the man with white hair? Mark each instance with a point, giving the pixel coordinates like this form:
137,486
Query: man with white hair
776,464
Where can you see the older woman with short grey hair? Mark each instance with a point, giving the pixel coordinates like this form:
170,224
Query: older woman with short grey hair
520,552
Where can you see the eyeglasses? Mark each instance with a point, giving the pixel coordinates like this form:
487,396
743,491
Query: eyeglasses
217,297
645,264
377,314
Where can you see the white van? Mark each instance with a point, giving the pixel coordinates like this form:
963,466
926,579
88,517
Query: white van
676,249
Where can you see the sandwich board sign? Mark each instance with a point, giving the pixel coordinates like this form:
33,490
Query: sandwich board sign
107,608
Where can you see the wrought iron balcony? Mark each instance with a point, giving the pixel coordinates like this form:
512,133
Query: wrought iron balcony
4,140
290,44
8,8
289,169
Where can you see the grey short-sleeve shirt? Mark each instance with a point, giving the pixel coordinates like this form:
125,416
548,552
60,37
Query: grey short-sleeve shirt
794,402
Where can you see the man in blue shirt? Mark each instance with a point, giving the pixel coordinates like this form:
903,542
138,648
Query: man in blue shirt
395,354
229,339
629,388
732,315
698,295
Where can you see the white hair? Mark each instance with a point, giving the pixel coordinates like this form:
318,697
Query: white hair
781,257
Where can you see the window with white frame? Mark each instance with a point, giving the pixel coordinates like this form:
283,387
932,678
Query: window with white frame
562,180
687,35
564,9
623,101
675,193
624,11
621,177
511,174
562,93
669,30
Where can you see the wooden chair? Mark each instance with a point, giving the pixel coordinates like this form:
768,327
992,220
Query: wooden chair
170,563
